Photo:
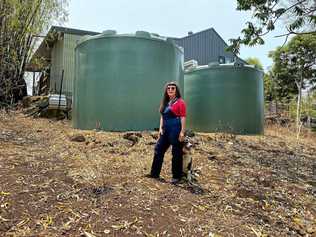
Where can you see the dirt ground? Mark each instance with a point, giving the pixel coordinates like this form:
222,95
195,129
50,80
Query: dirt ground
51,185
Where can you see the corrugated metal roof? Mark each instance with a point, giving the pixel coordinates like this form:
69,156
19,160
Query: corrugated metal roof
72,31
205,46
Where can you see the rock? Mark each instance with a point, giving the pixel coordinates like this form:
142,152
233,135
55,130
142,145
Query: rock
154,135
78,138
137,134
134,137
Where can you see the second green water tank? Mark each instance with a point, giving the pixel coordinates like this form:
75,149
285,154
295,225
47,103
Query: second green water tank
119,80
225,98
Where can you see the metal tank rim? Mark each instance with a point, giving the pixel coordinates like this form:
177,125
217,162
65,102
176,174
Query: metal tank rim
152,37
221,66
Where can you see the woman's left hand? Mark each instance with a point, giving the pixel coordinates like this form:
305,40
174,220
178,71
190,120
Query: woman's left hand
181,137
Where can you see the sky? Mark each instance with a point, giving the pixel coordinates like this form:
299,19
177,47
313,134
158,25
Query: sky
173,18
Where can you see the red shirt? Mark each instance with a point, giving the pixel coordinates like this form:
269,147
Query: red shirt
179,108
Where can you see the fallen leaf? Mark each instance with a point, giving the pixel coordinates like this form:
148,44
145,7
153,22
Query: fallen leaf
4,193
88,234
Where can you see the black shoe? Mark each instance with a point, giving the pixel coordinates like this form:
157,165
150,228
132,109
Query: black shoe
155,177
176,181
151,176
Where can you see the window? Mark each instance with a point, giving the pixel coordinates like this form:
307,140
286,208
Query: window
221,59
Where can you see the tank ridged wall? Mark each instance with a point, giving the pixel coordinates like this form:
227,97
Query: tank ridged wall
120,78
225,98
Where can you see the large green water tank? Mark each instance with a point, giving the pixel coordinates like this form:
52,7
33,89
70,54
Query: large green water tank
225,98
119,80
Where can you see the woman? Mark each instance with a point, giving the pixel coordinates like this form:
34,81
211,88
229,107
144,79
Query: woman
171,132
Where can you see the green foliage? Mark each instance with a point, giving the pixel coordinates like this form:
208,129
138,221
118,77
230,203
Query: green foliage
255,61
292,61
308,106
299,14
20,21
269,94
283,81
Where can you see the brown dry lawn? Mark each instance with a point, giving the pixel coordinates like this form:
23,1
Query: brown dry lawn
247,185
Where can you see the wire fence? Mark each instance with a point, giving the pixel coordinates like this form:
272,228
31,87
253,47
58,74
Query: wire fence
284,113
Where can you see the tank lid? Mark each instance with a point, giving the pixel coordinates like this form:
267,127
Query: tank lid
137,34
109,32
143,34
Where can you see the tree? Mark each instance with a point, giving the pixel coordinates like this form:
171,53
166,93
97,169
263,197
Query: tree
269,92
20,22
295,64
284,87
299,17
255,61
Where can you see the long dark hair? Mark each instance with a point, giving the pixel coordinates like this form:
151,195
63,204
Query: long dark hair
165,98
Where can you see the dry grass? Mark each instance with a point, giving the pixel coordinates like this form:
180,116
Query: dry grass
249,185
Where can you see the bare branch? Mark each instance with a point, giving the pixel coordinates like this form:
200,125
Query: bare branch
286,38
295,33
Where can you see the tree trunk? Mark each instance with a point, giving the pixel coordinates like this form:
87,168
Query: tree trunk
299,99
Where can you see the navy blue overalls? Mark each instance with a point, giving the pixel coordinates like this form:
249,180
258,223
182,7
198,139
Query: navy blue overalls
170,136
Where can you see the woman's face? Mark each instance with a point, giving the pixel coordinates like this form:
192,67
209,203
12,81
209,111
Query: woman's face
171,91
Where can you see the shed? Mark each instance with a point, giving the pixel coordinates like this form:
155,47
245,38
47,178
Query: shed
55,54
